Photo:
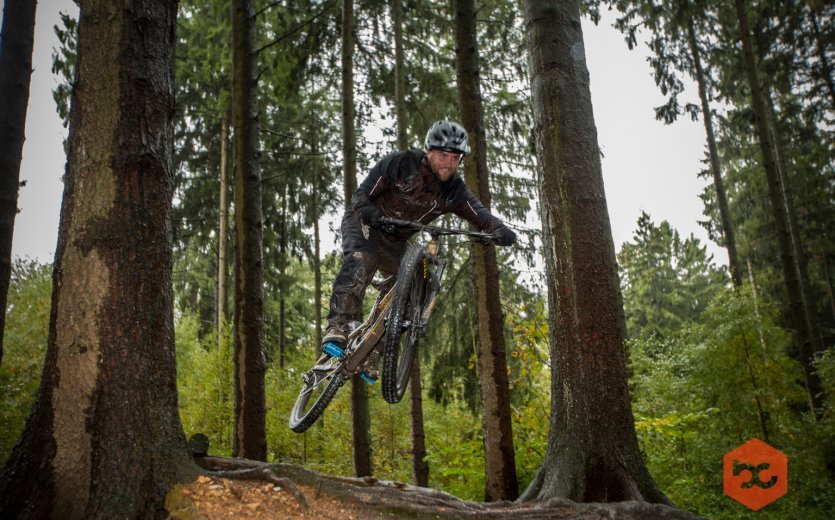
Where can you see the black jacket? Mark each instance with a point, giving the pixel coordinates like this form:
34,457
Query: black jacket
403,186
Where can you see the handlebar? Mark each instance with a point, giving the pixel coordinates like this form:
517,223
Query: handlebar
436,231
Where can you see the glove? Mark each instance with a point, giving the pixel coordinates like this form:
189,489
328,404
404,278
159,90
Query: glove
370,214
505,236
384,226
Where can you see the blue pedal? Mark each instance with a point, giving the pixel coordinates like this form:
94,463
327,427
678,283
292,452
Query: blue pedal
333,350
367,379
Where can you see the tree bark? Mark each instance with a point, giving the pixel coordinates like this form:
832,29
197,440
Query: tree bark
721,196
104,439
592,453
250,438
499,457
804,336
17,38
223,229
420,467
360,424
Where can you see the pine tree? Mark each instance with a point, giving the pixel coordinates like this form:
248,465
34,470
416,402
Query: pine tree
104,438
17,38
500,460
250,440
593,450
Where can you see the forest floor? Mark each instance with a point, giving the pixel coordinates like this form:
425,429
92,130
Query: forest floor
221,498
245,490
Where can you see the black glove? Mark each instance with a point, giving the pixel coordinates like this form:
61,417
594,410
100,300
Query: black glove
370,214
384,226
505,236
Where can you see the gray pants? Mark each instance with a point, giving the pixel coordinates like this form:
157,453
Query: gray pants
363,255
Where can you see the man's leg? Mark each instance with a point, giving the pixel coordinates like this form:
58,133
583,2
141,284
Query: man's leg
358,267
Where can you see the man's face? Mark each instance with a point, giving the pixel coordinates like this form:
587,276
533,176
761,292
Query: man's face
443,164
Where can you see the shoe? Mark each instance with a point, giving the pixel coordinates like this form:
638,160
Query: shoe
370,375
368,378
370,371
334,342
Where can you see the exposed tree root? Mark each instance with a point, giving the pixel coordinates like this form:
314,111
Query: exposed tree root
406,500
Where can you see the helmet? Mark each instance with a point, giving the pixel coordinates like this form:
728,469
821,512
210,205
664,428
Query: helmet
448,136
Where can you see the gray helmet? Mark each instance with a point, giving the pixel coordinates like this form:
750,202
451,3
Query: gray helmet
448,136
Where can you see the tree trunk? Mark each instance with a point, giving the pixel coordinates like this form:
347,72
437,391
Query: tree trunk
830,291
282,254
359,393
250,439
721,196
420,466
787,241
317,263
826,69
223,229
104,439
17,38
399,75
592,453
499,457
349,144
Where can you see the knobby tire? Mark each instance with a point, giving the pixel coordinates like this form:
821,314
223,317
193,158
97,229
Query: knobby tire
300,420
406,307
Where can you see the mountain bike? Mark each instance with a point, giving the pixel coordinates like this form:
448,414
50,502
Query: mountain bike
390,333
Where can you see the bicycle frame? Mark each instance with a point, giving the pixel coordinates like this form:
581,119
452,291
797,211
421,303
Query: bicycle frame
364,338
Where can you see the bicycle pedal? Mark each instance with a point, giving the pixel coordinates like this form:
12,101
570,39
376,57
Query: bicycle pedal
333,350
367,379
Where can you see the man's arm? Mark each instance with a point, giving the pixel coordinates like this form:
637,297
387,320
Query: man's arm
468,207
362,202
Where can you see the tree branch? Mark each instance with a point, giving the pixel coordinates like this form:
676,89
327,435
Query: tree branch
297,28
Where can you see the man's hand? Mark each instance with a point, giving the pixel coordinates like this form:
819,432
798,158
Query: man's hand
504,236
370,214
384,225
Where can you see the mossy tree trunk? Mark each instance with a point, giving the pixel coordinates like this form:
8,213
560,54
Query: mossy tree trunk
592,453
104,439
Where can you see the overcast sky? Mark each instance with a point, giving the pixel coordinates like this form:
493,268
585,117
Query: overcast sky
646,166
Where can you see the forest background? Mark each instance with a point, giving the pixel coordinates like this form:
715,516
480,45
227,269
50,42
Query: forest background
711,365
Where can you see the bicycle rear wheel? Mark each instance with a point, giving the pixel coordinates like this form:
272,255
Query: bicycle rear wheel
320,385
403,328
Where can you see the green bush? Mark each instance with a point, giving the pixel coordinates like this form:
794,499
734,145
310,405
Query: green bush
24,347
205,383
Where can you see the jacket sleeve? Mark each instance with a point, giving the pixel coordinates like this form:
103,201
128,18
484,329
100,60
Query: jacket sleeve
362,202
467,206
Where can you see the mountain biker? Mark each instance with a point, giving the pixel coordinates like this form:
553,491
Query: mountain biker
408,185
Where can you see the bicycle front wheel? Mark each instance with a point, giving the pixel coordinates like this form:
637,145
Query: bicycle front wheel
320,384
404,326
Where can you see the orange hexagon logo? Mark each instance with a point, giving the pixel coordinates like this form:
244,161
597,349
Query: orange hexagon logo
756,474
